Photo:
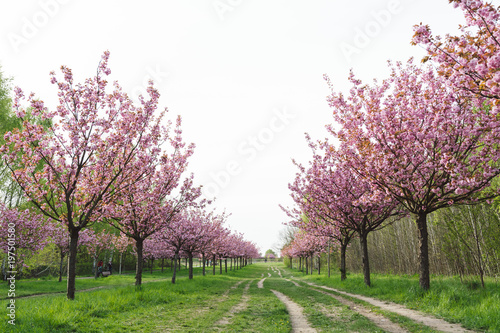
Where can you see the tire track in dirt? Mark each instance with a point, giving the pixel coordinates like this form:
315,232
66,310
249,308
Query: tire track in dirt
417,316
232,288
377,319
237,308
297,318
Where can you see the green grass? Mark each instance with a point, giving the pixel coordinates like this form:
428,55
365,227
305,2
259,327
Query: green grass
26,287
448,298
185,306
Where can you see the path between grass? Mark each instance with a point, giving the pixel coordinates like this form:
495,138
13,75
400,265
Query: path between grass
297,318
377,319
427,320
238,307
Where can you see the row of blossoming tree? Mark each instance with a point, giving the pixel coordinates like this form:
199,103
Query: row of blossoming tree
104,159
425,138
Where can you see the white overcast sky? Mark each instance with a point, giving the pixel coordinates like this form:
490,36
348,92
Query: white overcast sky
245,75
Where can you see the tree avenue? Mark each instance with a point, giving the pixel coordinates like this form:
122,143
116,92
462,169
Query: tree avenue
99,159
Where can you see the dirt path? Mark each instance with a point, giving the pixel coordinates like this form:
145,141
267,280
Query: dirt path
232,288
260,285
424,319
377,319
297,318
237,308
295,283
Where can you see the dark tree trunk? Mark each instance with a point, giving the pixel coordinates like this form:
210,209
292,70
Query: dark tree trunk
231,264
364,255
225,264
423,253
61,265
213,264
204,261
73,247
121,255
307,265
152,262
343,272
190,257
162,264
140,262
319,265
329,262
220,265
175,268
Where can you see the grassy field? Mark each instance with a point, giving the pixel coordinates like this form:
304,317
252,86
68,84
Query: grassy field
214,303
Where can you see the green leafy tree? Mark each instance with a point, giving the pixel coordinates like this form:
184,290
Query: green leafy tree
9,191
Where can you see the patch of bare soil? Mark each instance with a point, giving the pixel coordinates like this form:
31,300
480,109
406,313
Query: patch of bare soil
260,285
417,316
297,318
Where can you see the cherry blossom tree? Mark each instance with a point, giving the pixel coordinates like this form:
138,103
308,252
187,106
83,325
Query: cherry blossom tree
470,61
305,245
92,142
334,197
190,232
96,244
121,243
419,141
22,233
148,206
60,238
199,229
